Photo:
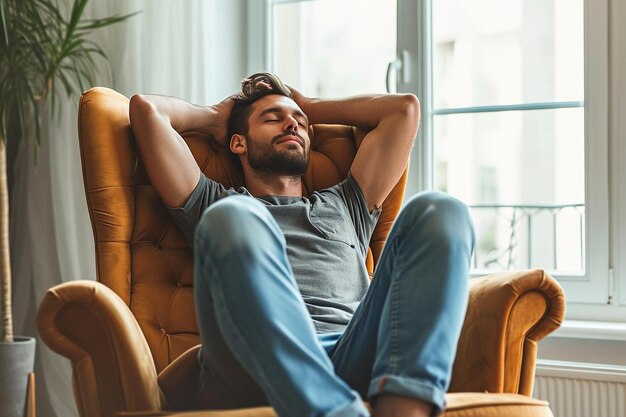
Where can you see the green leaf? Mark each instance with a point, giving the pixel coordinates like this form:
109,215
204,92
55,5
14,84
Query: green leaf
4,23
35,106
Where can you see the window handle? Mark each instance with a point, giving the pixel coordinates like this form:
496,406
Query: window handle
401,66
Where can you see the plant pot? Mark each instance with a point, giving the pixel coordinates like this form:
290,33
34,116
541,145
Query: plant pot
17,361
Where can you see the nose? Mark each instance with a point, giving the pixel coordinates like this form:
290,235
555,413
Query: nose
291,124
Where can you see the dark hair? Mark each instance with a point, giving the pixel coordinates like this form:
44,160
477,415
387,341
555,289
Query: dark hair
253,88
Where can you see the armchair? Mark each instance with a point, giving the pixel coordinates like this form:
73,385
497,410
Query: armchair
132,335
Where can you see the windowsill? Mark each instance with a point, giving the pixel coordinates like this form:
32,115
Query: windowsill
597,330
581,370
581,342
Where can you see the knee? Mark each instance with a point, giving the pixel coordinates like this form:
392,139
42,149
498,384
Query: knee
440,217
233,223
227,212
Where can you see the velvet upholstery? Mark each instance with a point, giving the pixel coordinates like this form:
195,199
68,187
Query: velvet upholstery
132,335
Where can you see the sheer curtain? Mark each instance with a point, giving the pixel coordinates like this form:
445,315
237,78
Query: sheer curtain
194,50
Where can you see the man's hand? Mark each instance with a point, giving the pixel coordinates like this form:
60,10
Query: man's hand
217,125
302,101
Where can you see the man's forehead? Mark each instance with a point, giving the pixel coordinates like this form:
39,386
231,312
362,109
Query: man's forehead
275,101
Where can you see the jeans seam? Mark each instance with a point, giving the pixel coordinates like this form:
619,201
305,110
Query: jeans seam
393,325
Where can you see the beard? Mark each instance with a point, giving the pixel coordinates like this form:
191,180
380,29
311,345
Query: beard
265,158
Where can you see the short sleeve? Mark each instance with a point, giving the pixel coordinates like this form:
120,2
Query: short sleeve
206,193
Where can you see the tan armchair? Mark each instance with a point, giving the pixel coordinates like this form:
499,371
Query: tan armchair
132,335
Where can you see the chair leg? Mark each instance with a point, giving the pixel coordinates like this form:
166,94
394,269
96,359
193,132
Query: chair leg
30,406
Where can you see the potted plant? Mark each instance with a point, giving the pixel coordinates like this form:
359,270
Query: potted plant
44,52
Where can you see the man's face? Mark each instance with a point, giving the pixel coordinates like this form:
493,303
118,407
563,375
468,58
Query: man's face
278,140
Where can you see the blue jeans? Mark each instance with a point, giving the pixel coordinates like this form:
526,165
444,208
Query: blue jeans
259,344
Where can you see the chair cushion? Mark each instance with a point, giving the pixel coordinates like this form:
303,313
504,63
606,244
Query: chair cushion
466,404
479,404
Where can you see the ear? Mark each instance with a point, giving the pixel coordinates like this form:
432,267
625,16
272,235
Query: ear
238,144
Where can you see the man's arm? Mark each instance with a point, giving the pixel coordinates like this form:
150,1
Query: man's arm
157,122
392,121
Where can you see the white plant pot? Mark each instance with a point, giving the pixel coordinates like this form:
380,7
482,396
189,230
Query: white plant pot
17,361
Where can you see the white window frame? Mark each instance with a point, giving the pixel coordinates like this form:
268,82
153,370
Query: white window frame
259,36
618,147
585,292
592,287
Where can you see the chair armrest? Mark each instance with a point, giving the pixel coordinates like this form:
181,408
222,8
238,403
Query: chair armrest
113,369
507,314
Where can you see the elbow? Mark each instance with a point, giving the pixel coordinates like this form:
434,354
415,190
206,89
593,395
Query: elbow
410,106
139,108
137,103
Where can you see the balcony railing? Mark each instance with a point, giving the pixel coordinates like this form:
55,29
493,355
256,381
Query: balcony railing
529,236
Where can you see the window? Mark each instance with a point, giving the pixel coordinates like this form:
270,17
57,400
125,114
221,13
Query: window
514,112
327,50
514,104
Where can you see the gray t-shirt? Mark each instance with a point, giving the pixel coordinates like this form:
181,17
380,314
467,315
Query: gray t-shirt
327,237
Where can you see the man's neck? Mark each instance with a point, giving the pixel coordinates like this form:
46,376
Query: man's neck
259,184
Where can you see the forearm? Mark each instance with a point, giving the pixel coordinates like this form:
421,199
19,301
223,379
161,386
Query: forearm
366,112
181,115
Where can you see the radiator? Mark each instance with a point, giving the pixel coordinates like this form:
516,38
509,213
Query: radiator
581,389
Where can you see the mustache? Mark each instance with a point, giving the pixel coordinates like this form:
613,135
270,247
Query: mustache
288,133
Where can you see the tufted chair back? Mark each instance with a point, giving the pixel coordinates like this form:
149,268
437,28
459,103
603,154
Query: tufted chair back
140,254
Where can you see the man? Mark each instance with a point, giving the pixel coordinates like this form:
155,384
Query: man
284,307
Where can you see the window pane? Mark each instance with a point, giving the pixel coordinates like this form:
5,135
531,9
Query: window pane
330,48
532,162
488,52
